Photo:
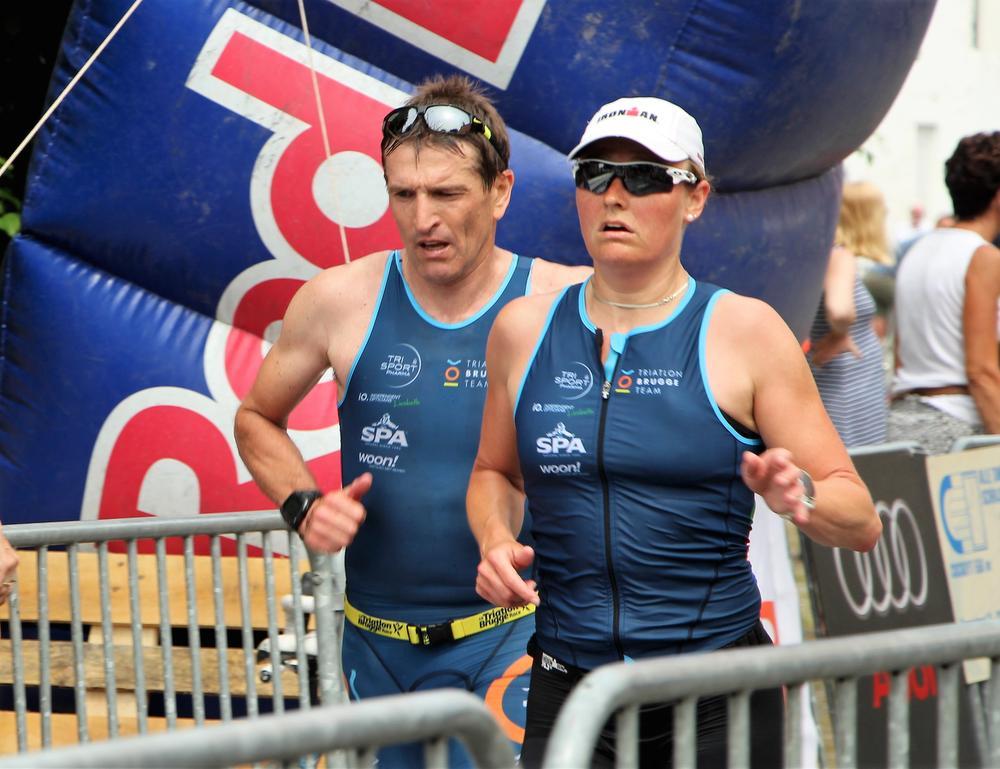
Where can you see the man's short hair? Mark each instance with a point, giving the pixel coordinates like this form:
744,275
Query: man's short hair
972,174
459,91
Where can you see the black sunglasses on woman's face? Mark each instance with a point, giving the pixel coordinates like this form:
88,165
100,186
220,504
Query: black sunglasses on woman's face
639,177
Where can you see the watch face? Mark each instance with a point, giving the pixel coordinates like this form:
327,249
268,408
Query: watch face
807,483
808,490
294,508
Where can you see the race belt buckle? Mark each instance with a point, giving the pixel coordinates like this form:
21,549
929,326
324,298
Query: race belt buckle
432,635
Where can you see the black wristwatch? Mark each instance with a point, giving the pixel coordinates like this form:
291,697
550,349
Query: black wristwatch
294,509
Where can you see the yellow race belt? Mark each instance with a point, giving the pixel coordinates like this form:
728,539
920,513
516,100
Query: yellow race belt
442,632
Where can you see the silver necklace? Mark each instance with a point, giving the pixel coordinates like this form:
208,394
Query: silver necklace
626,306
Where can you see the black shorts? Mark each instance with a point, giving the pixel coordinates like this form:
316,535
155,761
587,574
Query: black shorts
550,687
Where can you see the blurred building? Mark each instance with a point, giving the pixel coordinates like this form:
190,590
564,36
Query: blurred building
951,91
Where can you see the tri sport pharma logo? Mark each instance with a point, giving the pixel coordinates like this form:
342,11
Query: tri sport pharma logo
401,365
574,381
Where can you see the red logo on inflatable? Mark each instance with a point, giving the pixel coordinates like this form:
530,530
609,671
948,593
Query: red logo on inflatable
167,451
482,28
484,39
353,123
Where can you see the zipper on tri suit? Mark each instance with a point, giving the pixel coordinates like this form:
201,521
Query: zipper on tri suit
606,499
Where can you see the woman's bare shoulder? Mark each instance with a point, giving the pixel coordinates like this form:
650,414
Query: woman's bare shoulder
550,276
750,330
520,323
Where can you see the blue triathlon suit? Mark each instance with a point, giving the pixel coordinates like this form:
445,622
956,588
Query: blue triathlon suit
411,416
639,514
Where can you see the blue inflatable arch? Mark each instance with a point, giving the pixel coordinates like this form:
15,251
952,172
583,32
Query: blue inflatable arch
183,191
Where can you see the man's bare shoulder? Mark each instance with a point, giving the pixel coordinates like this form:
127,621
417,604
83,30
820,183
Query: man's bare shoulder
332,310
352,281
337,295
549,276
523,317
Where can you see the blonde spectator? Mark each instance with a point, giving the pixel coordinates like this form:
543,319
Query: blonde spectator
862,230
845,354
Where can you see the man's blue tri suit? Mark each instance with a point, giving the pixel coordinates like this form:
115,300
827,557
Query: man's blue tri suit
411,415
639,514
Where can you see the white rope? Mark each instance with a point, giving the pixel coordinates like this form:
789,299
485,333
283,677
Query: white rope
69,87
114,31
322,116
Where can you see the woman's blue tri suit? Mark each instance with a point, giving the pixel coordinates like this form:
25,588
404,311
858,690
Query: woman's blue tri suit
411,415
639,514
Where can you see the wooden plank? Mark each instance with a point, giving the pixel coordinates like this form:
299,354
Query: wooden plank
90,597
64,729
61,669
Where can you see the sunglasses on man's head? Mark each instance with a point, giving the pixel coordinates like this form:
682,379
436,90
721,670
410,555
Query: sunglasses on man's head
440,118
639,178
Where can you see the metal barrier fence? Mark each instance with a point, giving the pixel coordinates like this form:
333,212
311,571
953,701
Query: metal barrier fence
967,442
111,597
613,691
616,690
428,716
619,689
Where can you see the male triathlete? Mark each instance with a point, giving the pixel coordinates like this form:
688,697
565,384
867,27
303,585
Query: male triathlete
405,333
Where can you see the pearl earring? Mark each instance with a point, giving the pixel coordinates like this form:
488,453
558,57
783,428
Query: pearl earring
690,217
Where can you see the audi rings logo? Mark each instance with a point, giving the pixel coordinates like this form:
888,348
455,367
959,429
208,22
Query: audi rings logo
894,573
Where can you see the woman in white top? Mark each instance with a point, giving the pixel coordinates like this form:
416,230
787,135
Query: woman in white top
947,382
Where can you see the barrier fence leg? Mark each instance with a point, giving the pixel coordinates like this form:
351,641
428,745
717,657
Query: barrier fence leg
44,637
738,743
793,725
685,720
947,715
993,709
899,721
436,752
845,722
330,677
76,634
627,738
17,645
978,715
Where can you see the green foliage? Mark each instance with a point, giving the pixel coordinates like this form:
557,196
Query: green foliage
10,209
